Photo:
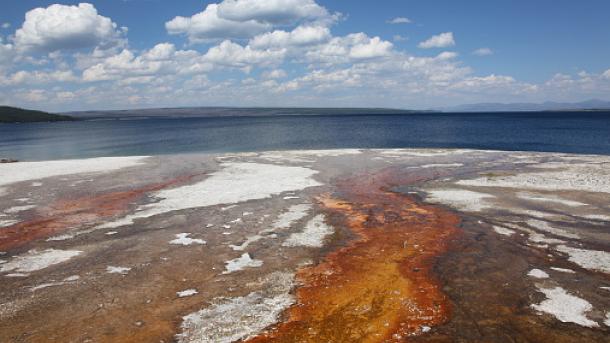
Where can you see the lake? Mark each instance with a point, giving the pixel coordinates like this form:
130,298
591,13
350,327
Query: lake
570,132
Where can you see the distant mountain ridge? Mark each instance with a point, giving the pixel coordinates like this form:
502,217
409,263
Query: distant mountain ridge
186,112
193,112
10,114
19,115
593,104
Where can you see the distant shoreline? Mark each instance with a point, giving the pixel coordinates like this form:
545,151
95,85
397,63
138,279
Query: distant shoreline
14,115
224,112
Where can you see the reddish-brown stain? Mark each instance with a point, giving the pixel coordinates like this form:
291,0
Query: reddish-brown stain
65,214
380,287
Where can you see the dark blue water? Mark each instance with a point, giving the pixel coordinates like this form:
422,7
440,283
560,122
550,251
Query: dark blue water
573,132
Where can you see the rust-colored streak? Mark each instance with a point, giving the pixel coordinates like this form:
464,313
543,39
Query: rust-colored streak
66,214
380,287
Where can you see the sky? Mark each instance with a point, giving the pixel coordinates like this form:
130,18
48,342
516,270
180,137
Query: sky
412,54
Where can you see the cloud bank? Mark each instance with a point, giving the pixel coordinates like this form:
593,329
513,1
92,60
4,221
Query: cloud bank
250,53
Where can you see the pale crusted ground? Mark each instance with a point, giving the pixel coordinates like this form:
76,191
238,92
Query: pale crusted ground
212,258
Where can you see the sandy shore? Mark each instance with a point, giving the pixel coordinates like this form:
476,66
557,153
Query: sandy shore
413,245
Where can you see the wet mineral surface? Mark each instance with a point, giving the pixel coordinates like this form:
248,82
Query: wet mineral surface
405,245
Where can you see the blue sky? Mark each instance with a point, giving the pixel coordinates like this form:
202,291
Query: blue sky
115,54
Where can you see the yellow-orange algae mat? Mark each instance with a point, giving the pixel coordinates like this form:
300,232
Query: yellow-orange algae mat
380,286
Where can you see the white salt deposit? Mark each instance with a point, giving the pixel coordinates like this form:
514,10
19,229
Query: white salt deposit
37,184
549,199
24,171
461,199
422,152
588,259
63,237
327,152
563,270
565,307
313,235
290,197
117,270
535,237
546,227
597,217
534,213
183,239
17,209
35,260
186,293
293,214
551,165
542,239
45,285
235,182
240,263
67,280
283,221
249,240
17,275
232,319
440,165
574,177
538,274
7,222
305,156
503,231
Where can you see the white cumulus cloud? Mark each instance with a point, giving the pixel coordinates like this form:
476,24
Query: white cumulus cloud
60,27
354,46
274,74
161,51
375,47
239,19
271,11
207,25
478,83
399,20
300,36
162,59
442,40
6,53
233,55
37,77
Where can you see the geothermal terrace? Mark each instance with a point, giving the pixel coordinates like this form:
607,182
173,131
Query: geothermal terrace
409,245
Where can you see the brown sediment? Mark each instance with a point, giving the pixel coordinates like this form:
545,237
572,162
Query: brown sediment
67,214
380,287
